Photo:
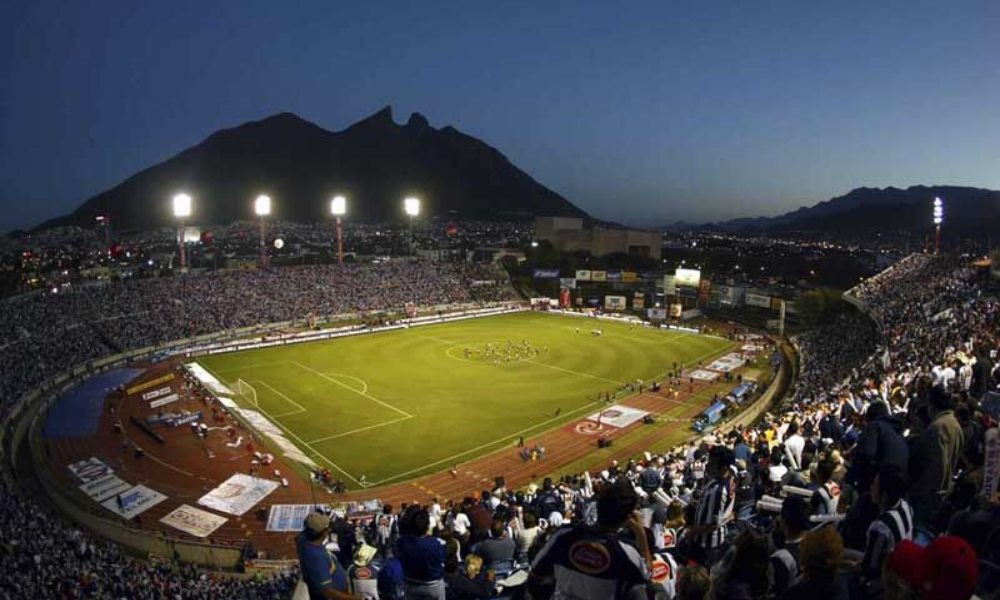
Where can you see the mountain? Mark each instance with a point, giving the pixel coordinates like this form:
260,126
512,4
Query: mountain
866,211
375,163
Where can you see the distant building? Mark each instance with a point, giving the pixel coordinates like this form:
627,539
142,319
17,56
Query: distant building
567,234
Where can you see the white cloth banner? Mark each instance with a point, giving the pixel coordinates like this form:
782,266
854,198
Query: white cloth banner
91,469
288,449
238,494
164,401
197,522
618,416
704,375
133,502
101,489
208,379
156,393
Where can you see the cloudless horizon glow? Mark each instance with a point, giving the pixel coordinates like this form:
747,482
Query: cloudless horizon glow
643,113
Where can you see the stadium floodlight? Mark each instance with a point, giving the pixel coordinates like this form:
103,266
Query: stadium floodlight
182,210
262,207
938,219
182,206
412,207
338,207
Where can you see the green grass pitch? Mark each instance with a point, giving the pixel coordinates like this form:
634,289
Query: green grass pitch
398,404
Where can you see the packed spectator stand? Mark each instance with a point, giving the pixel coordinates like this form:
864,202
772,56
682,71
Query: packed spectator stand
866,482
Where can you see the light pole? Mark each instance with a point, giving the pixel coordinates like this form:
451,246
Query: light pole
338,206
262,206
182,210
412,208
938,218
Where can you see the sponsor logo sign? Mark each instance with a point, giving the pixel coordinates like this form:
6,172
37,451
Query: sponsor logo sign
669,285
583,275
614,302
629,276
661,570
194,521
90,469
656,313
164,400
546,274
101,489
588,427
156,393
133,502
704,375
567,282
238,494
149,384
590,557
288,517
598,275
614,276
189,418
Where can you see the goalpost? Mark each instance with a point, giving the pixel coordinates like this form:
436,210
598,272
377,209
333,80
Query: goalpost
248,392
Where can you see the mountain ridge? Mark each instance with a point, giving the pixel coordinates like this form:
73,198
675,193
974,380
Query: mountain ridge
375,162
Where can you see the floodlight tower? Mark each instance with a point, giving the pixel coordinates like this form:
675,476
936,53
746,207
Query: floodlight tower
338,206
412,208
262,206
938,218
182,210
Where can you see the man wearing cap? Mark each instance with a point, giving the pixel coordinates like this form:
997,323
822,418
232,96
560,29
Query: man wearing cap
607,562
323,575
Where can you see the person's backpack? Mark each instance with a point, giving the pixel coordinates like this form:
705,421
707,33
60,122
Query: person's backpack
390,580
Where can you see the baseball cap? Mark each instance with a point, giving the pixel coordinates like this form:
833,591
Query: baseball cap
317,522
947,569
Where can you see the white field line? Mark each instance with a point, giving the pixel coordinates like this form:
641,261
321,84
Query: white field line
494,442
358,430
251,367
272,388
358,379
572,372
347,387
305,444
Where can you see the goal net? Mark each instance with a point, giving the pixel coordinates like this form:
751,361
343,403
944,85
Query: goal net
247,391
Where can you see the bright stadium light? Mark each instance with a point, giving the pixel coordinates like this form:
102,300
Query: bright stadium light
938,219
182,210
262,206
412,206
338,207
182,206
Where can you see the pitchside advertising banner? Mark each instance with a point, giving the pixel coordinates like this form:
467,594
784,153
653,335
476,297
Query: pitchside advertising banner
289,517
614,302
656,313
583,275
133,502
598,275
629,276
546,273
194,521
567,283
614,276
238,494
90,469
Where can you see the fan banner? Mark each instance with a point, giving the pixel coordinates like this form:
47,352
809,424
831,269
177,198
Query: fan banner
618,416
238,494
194,521
133,502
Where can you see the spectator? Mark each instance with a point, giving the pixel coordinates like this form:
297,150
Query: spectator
322,573
820,556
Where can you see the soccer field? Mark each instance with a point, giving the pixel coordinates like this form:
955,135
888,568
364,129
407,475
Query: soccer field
394,405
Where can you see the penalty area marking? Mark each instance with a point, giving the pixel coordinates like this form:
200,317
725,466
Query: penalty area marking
358,430
301,409
345,386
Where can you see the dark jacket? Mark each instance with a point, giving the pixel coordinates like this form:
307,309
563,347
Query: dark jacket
881,443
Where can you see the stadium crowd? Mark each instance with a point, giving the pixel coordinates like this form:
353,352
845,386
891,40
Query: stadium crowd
866,483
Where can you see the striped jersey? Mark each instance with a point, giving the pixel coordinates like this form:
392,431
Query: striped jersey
714,508
588,564
892,527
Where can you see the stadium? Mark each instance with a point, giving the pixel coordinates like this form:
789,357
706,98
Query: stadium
345,357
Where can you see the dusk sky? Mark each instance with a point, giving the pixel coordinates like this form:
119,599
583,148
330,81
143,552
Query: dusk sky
639,112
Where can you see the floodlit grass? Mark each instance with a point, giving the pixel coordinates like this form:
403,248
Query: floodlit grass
394,405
